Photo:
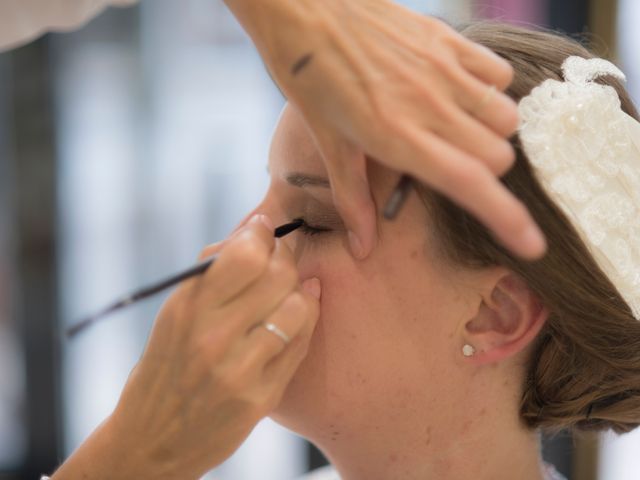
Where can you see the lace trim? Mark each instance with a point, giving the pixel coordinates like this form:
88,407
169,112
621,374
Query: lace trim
586,152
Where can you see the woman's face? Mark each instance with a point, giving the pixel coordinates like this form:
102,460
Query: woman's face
389,327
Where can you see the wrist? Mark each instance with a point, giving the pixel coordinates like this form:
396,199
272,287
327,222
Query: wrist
138,456
110,454
97,458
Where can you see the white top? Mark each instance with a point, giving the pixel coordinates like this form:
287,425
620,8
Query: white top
24,20
329,473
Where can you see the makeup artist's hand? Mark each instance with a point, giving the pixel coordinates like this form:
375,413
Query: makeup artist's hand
374,78
210,371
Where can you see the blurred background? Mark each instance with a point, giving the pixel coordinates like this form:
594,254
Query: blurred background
127,146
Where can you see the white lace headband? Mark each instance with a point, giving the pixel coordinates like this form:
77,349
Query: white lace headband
586,153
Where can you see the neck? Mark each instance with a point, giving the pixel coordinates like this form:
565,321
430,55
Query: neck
479,445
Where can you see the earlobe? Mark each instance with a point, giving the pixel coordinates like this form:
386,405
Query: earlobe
507,320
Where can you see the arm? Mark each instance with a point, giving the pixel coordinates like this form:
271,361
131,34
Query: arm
210,371
105,455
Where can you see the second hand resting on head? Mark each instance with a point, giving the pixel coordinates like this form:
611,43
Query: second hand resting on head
373,78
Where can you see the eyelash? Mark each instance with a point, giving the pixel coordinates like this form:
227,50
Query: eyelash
307,229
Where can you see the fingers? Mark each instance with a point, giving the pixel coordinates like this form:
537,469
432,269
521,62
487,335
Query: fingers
265,358
484,64
246,219
478,140
493,108
472,186
280,368
299,311
214,248
223,330
244,258
265,295
210,250
347,170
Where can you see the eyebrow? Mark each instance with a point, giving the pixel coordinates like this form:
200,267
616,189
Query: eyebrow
303,180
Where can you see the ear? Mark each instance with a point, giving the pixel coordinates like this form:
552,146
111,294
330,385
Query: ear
508,319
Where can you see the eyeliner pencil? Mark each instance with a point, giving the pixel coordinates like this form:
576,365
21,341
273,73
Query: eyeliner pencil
150,290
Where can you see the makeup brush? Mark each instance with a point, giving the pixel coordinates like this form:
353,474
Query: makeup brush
398,197
146,292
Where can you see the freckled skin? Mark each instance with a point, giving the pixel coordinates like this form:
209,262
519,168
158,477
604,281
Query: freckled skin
381,316
384,362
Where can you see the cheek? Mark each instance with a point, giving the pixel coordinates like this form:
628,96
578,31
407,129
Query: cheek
344,304
385,332
374,323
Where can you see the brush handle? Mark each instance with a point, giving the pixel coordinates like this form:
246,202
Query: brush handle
146,292
142,294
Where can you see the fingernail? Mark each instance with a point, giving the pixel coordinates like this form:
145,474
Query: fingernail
312,286
533,241
356,245
266,221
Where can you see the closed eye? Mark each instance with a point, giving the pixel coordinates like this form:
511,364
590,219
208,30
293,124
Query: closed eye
308,229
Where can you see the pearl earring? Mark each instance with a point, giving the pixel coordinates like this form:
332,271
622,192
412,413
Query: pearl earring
468,350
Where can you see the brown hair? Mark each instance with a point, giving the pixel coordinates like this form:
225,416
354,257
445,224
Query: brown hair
584,372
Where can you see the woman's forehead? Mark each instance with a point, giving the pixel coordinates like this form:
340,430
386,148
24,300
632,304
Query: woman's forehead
293,147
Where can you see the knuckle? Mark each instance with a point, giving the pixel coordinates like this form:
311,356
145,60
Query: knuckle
250,253
441,61
229,381
211,348
441,109
208,251
222,334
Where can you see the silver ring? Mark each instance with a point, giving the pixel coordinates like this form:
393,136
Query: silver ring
274,329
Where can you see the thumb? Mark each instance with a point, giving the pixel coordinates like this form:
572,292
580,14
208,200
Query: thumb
210,250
